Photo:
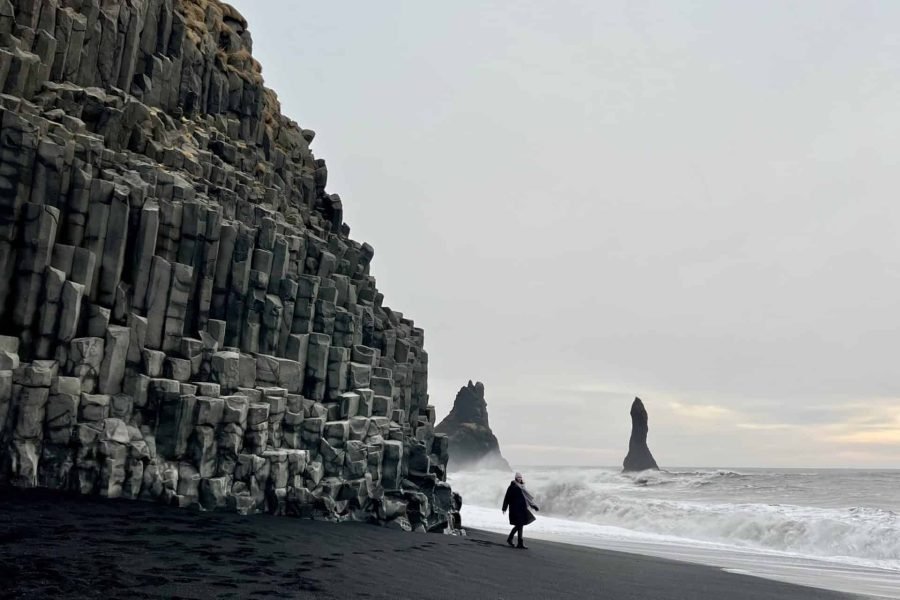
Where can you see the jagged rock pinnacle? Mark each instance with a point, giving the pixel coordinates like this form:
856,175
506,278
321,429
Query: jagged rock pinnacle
472,443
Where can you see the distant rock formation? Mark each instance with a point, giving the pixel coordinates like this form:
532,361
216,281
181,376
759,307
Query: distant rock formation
639,457
472,443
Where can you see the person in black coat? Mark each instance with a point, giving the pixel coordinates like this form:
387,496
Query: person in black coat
518,501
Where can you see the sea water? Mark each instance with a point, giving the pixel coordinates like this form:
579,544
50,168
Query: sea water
836,529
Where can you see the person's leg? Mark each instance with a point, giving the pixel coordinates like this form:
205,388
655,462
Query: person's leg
512,533
520,544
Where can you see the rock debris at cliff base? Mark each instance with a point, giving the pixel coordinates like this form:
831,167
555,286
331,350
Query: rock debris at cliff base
184,317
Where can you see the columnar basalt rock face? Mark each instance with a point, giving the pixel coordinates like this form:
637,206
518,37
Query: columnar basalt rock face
183,315
639,457
472,444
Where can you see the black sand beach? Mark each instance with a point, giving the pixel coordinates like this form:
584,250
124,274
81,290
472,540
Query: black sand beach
76,547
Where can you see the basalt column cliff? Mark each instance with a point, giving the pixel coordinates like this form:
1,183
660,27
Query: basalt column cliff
183,316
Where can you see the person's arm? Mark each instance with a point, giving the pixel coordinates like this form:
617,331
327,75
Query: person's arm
506,500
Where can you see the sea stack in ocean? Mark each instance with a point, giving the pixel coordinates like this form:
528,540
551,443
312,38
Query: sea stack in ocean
639,457
184,317
472,443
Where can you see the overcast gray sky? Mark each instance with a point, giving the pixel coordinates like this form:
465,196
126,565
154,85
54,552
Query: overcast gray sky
693,202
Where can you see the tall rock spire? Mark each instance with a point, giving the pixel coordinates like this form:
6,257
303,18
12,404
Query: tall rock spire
639,456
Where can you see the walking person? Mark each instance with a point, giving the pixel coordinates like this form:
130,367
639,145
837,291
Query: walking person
518,500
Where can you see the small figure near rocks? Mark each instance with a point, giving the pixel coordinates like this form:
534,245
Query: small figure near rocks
518,500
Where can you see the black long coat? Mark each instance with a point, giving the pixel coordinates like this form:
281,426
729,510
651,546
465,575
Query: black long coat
518,506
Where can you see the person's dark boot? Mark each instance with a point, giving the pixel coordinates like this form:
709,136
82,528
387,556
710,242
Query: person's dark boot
522,547
509,541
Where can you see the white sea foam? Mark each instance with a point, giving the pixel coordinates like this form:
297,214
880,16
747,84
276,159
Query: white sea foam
762,521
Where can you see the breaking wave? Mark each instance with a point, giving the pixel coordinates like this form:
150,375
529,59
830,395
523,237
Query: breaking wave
674,505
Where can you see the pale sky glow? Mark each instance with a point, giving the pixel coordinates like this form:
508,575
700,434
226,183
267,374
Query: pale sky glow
580,202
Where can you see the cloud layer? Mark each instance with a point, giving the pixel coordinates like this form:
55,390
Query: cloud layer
583,202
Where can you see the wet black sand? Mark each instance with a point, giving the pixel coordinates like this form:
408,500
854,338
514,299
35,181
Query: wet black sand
54,546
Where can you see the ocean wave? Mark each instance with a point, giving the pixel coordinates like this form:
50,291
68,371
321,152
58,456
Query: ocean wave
683,478
859,532
609,498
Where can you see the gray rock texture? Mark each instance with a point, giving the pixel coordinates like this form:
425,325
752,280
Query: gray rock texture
184,317
471,442
639,457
